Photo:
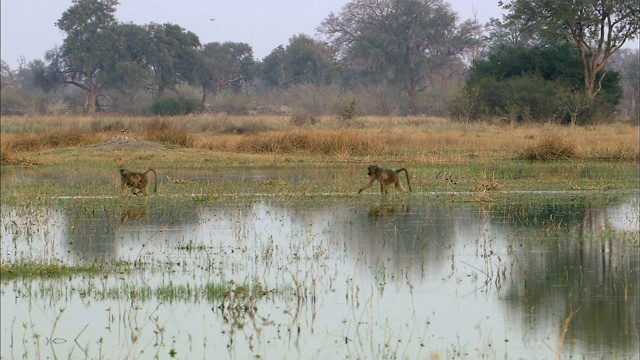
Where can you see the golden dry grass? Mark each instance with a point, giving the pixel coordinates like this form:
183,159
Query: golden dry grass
550,147
424,139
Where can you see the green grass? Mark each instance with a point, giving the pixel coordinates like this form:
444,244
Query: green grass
216,181
10,272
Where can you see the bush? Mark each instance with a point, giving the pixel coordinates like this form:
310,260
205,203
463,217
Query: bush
534,84
176,106
551,147
521,98
230,102
167,131
303,118
349,112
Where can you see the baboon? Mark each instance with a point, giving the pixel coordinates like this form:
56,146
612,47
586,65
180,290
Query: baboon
386,177
137,181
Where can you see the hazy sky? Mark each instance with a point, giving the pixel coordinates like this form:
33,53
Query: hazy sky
28,26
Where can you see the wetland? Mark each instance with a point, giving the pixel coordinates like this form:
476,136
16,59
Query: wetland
276,256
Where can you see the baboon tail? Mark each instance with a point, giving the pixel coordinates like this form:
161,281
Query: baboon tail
406,173
155,179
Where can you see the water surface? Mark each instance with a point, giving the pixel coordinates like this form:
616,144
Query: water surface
396,277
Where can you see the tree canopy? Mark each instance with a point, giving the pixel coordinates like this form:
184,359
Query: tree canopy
400,41
224,64
100,53
172,56
597,28
87,45
304,60
536,83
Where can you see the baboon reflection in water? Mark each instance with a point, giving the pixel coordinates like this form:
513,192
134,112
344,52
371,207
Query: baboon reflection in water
137,181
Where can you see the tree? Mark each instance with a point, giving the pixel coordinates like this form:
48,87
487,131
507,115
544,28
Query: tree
541,82
304,60
273,67
399,41
598,28
126,70
308,60
172,56
222,64
627,63
7,76
36,76
86,47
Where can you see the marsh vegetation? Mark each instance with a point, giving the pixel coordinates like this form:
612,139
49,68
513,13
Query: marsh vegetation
265,253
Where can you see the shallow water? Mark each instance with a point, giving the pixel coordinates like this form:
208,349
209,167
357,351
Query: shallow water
397,277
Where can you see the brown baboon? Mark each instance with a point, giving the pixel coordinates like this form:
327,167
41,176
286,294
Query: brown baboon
386,177
137,181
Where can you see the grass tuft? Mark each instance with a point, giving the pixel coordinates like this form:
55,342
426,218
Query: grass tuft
26,270
551,147
166,131
8,158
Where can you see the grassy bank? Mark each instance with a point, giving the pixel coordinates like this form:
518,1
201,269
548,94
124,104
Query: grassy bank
415,139
197,154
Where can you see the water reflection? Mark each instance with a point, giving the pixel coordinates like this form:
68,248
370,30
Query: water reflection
417,272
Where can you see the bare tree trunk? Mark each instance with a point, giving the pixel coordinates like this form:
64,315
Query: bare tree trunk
93,91
205,93
412,99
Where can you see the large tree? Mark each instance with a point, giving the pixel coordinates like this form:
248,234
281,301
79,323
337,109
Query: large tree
126,70
224,64
86,47
304,60
598,28
399,41
172,56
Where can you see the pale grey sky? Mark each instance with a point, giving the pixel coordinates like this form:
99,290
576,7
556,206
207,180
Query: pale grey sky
28,26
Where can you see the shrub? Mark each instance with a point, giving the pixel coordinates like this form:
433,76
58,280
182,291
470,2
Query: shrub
174,134
302,118
176,106
535,84
230,102
551,147
349,112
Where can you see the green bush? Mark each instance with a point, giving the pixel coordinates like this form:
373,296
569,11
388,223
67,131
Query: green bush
538,83
176,106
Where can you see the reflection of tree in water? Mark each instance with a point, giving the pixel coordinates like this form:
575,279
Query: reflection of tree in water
96,229
401,242
570,259
392,240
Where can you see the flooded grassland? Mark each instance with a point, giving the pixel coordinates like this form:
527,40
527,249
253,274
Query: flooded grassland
260,262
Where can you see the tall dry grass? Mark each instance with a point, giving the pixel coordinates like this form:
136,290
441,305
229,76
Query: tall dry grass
552,146
420,137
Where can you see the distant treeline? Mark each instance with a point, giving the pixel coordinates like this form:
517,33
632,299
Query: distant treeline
376,58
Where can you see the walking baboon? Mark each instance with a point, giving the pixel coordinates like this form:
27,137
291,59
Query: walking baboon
386,177
137,181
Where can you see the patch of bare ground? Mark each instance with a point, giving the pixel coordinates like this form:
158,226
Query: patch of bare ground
123,142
